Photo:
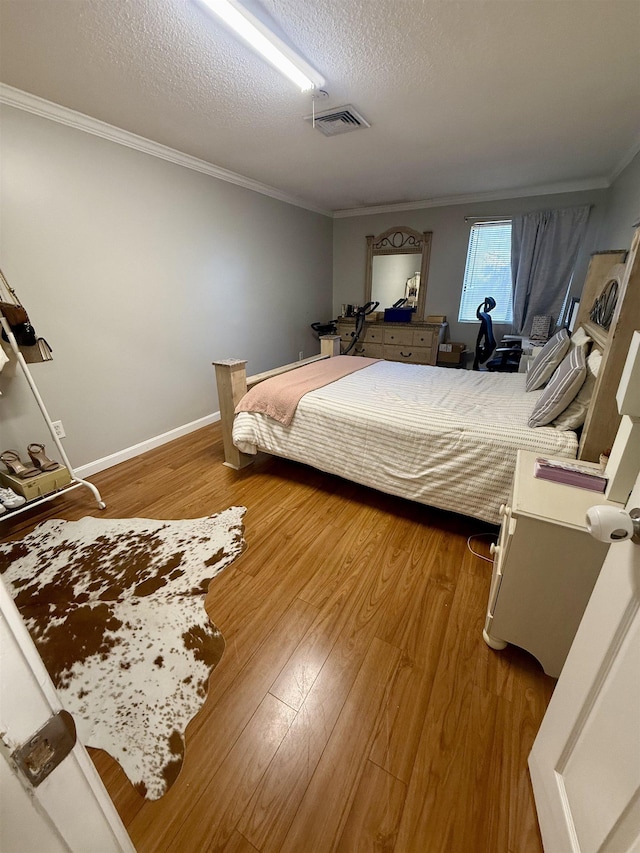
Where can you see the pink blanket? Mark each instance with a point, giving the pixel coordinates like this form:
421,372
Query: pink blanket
279,396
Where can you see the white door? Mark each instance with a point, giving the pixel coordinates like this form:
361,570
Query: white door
585,762
70,809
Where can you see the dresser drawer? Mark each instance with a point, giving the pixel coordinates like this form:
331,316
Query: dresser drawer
367,350
372,334
346,333
423,355
398,336
422,338
412,355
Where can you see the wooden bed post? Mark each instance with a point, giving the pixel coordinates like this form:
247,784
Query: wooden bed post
330,345
231,379
232,382
603,418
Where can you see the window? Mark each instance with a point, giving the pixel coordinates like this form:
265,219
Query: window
488,272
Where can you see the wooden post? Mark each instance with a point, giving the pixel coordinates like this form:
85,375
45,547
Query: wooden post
330,345
231,379
603,418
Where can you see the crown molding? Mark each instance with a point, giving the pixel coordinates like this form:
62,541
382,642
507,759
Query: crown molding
600,183
624,162
63,115
71,118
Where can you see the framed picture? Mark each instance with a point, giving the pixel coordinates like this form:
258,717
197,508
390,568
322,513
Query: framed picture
572,313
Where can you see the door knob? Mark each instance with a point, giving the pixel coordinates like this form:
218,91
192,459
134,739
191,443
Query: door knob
610,524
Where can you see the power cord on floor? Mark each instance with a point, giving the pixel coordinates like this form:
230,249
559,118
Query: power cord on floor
477,536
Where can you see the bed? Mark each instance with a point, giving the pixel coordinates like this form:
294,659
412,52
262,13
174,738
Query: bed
444,438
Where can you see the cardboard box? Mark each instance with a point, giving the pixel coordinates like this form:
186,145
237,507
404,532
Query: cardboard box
451,353
449,358
38,486
436,318
451,347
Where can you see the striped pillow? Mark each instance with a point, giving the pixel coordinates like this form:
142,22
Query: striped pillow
576,412
561,390
552,354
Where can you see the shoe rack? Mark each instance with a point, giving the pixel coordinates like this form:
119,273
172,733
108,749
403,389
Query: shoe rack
76,482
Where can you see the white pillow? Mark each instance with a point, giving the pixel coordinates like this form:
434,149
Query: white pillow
561,390
576,412
541,369
579,338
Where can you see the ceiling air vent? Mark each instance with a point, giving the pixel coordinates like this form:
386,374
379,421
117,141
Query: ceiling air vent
338,120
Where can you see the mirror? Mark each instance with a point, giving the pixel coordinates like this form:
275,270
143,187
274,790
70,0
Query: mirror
398,268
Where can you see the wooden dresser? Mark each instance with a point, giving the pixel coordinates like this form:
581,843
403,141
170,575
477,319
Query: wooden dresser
415,342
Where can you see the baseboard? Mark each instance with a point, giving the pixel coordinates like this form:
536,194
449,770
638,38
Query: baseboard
137,449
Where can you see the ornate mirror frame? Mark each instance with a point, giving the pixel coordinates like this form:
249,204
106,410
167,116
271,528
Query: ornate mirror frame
401,240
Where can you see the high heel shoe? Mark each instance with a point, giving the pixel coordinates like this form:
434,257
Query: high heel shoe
40,459
16,466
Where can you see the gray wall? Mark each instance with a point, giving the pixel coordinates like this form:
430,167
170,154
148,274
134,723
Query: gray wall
448,249
623,209
139,273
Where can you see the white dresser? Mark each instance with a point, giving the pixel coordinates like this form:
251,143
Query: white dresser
545,566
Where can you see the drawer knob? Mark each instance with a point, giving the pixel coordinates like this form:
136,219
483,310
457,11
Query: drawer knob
406,354
494,549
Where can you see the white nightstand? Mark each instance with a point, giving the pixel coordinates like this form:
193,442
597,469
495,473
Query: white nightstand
545,566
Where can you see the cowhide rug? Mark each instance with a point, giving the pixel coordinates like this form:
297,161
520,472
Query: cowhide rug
116,609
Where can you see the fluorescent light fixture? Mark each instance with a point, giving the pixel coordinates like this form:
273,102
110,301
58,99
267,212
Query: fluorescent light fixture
266,43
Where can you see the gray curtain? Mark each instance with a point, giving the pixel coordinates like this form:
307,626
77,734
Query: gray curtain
544,248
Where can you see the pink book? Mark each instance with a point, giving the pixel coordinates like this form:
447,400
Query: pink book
570,474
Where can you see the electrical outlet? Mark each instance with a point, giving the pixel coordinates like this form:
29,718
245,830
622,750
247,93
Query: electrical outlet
300,355
59,429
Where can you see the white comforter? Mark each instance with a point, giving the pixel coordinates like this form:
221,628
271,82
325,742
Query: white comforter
446,438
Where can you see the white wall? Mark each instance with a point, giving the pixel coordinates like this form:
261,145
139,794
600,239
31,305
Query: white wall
623,209
139,273
448,249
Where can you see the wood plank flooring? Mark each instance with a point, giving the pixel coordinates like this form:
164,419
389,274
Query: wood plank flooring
356,706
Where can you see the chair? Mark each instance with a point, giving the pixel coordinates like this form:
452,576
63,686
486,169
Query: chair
507,357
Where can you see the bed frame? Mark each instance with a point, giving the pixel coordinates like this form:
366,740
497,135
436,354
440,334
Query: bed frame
602,419
233,383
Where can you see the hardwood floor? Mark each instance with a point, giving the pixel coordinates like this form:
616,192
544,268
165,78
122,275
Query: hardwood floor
356,706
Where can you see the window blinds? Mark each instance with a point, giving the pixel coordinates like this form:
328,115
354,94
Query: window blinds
488,272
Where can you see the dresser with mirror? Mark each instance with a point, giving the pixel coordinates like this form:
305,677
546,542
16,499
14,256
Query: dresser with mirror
397,267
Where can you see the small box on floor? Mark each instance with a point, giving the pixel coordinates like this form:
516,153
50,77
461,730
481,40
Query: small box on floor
451,353
38,486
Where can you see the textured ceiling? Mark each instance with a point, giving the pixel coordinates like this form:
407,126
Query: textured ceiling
463,97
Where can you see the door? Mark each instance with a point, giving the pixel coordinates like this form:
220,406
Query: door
70,809
585,762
